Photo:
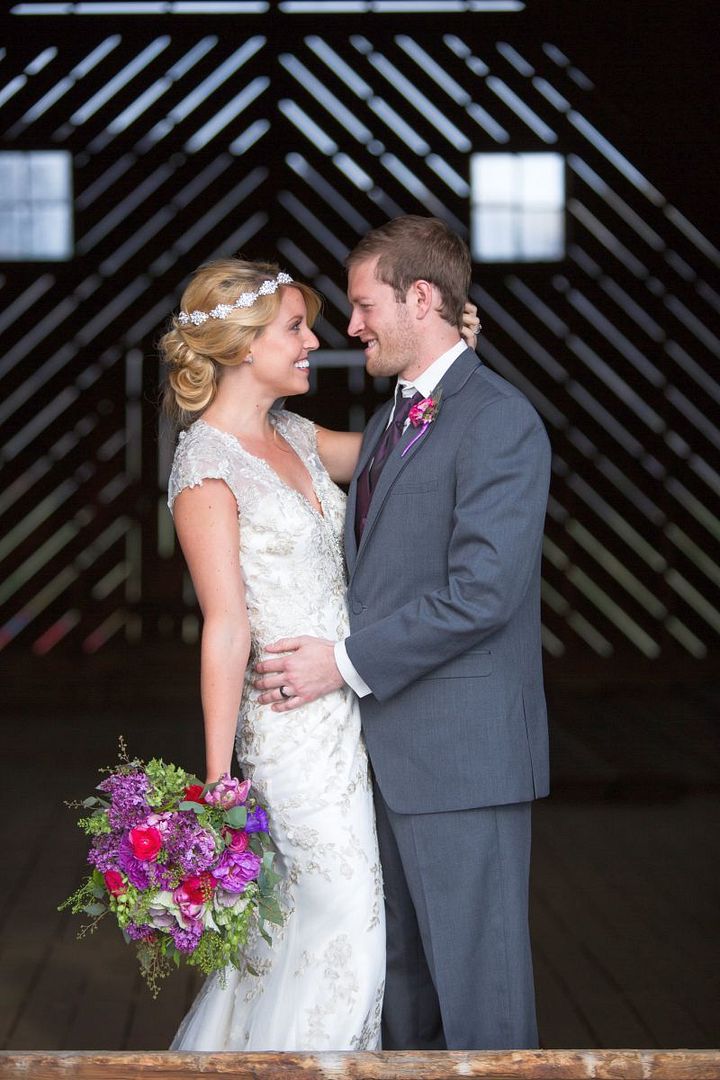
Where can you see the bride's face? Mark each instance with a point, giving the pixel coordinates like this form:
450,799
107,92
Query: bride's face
280,352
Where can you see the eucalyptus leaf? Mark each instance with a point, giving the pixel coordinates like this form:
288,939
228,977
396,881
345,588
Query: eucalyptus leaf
195,807
95,909
270,910
236,817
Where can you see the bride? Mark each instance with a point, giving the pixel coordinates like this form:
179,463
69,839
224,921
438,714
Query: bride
260,522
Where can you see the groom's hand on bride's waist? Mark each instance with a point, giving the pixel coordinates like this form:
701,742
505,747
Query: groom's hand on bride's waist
304,670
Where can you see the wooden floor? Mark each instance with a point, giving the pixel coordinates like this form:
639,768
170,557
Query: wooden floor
625,890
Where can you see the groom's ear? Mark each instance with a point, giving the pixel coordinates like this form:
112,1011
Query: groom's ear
422,296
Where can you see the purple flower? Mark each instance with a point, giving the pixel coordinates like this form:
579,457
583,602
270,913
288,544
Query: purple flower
160,917
128,806
188,845
236,869
186,938
139,933
104,852
228,792
257,820
225,899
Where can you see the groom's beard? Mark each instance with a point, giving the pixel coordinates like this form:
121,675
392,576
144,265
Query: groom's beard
396,349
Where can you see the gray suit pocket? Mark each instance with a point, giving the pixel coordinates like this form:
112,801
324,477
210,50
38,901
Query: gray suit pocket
470,665
414,487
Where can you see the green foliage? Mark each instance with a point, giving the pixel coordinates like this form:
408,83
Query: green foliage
96,824
154,964
167,784
90,900
236,817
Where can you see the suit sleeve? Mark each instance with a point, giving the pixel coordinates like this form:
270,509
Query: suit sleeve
502,479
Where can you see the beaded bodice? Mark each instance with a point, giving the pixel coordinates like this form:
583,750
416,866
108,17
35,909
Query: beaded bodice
290,554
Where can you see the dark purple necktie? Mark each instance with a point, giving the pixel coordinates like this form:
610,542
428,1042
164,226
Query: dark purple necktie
367,481
392,434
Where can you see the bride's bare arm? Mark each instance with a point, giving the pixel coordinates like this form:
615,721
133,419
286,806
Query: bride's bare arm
207,527
338,452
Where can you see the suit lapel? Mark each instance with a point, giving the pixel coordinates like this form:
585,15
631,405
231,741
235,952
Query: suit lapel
452,383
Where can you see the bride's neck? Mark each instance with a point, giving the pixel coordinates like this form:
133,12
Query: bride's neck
238,410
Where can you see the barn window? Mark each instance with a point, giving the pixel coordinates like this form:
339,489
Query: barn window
36,219
518,207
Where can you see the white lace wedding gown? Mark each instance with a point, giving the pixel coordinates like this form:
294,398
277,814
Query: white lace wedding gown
320,985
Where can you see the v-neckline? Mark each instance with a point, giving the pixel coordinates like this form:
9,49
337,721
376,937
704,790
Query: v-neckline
318,510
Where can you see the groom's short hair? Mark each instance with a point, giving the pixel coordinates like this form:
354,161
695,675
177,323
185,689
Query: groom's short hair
413,248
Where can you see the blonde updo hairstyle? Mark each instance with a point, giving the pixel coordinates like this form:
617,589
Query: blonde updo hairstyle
195,355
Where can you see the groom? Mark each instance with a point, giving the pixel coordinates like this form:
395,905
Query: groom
443,542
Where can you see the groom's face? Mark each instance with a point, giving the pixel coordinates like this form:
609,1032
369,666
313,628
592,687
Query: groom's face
382,323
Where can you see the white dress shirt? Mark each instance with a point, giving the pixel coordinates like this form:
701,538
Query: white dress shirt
424,384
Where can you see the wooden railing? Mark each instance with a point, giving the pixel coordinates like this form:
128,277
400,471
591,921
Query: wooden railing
405,1065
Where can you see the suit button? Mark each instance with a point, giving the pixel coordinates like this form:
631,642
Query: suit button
357,607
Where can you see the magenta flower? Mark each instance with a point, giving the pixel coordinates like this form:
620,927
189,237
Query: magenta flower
422,415
145,842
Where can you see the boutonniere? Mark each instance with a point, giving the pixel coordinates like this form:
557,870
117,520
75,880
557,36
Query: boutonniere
422,415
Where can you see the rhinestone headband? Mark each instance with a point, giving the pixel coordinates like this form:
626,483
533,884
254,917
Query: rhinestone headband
244,300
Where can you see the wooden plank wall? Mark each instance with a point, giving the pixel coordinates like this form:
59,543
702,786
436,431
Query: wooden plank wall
405,1065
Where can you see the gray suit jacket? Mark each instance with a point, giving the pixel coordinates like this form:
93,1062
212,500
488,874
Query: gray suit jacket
444,597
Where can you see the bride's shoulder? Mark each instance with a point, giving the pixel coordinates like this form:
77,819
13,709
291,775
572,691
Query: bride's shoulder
201,441
201,454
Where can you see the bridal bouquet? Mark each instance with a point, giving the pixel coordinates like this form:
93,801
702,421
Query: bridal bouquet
186,869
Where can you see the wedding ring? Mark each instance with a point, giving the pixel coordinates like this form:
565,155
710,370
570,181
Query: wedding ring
285,693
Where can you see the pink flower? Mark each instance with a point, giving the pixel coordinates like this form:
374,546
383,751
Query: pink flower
228,792
422,415
145,843
185,898
417,415
114,882
237,839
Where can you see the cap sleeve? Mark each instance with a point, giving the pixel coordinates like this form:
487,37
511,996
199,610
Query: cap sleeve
198,457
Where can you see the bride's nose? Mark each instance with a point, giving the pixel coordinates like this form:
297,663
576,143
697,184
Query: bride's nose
311,340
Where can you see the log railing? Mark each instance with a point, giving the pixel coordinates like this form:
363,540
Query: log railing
405,1065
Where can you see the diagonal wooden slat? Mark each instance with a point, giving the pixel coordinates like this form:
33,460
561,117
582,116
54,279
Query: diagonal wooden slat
193,142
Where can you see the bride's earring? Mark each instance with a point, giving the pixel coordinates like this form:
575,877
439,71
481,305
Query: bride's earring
249,359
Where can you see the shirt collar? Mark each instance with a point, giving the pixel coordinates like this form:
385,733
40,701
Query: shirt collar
431,376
